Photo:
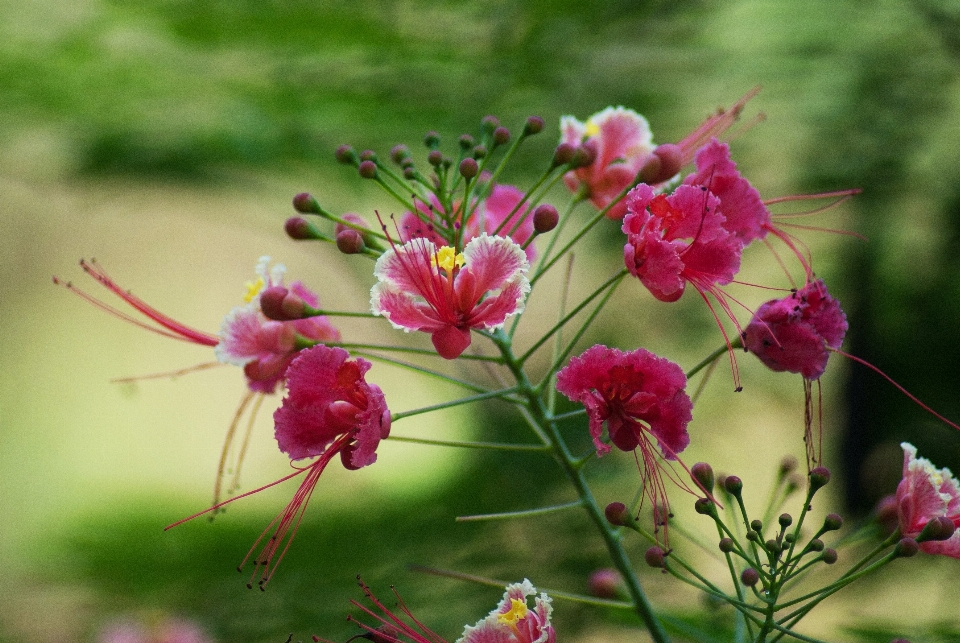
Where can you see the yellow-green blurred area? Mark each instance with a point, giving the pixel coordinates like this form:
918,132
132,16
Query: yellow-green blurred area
166,139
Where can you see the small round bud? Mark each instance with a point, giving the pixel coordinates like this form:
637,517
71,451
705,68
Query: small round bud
347,155
545,218
829,556
469,168
785,520
750,577
300,229
306,204
788,465
368,155
726,545
604,583
584,155
772,546
435,158
888,514
271,302
940,528
351,217
501,136
399,153
466,142
617,514
479,152
671,160
832,522
733,485
431,140
753,536
367,169
654,557
489,123
816,545
702,474
650,171
349,242
789,538
906,548
794,482
563,154
410,173
819,478
534,125
704,507
757,526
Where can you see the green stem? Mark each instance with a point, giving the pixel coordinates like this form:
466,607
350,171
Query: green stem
495,446
501,393
524,513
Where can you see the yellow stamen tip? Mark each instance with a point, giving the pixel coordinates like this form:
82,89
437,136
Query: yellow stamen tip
446,258
591,130
253,289
518,611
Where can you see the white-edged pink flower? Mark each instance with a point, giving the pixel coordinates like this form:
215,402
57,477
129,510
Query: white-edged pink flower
446,293
927,493
514,621
262,346
623,144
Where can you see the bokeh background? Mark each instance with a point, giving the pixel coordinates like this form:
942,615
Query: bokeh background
166,138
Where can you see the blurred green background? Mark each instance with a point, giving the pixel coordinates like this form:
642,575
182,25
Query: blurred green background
166,139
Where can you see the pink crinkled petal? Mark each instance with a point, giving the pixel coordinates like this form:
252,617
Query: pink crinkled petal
402,311
373,425
493,311
493,261
408,268
239,336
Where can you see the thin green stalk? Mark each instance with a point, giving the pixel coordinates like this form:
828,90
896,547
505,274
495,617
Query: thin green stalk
524,513
459,402
476,388
494,446
709,359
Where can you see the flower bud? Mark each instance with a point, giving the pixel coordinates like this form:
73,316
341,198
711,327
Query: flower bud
617,514
368,155
940,528
750,577
563,154
819,477
733,485
399,153
489,124
585,155
279,304
469,168
788,465
367,169
604,583
655,557
431,140
671,160
832,522
347,155
757,526
435,158
650,171
349,242
773,546
753,536
351,217
466,142
906,548
479,152
899,641
410,173
888,514
785,520
534,125
789,537
816,545
794,482
306,204
501,136
702,474
726,545
545,218
829,556
300,229
705,507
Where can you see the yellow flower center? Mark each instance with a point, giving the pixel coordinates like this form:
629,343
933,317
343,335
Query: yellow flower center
253,289
446,258
591,130
518,612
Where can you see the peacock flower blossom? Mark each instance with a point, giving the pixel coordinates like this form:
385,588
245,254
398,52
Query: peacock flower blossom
514,621
639,396
500,213
679,238
262,346
797,332
623,144
924,494
445,293
329,410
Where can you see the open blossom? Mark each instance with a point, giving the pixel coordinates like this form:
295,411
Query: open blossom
796,333
677,239
264,347
329,410
622,142
924,494
446,293
498,214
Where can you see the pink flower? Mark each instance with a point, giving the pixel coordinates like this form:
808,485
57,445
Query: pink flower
498,214
636,394
513,621
796,333
164,630
676,239
329,410
924,494
264,347
744,213
623,143
445,293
